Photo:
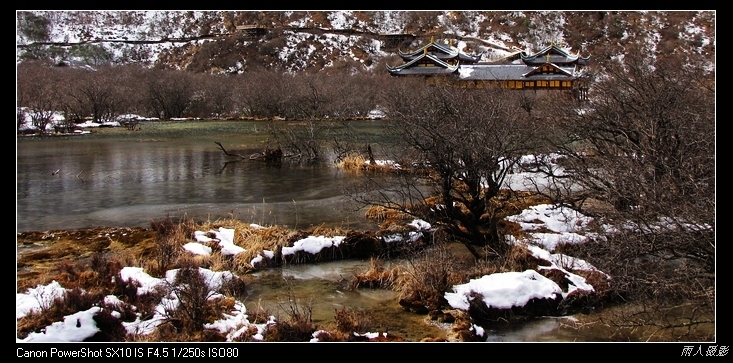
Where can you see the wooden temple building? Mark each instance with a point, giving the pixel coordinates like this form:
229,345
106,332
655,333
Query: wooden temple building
551,68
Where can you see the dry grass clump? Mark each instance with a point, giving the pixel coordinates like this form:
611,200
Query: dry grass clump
352,162
93,274
557,276
298,326
169,244
424,281
599,280
169,226
376,277
331,336
511,202
132,248
253,238
462,329
258,314
351,321
360,163
509,228
46,256
258,239
517,258
394,212
381,213
587,301
327,231
352,325
104,268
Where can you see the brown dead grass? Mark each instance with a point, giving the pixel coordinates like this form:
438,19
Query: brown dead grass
505,204
358,163
509,202
375,277
518,258
381,213
66,256
254,239
352,162
426,278
43,256
351,321
392,214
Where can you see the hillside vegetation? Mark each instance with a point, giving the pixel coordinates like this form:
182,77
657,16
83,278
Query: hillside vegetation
210,41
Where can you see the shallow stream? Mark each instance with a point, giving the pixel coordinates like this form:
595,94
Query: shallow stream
116,177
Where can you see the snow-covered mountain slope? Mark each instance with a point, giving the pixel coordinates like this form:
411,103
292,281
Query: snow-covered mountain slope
230,41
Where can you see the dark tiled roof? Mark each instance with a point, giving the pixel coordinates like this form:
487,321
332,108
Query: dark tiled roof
567,70
442,51
469,58
486,72
441,67
557,56
529,68
422,71
413,55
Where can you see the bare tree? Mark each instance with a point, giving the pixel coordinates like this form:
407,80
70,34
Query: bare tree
459,144
169,92
321,106
354,95
39,84
219,95
92,93
644,146
263,92
130,87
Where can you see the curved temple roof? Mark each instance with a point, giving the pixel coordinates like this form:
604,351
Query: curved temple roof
550,63
440,50
439,66
553,54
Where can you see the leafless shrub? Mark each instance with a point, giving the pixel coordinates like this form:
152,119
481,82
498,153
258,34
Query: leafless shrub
642,149
193,293
466,141
169,243
234,287
76,300
144,303
55,309
351,321
298,326
110,327
107,267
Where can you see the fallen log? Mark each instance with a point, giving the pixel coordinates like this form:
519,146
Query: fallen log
228,153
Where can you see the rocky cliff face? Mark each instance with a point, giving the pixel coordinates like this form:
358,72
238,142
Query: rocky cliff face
232,41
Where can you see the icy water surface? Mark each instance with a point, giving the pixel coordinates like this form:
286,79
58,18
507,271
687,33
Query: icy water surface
117,177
